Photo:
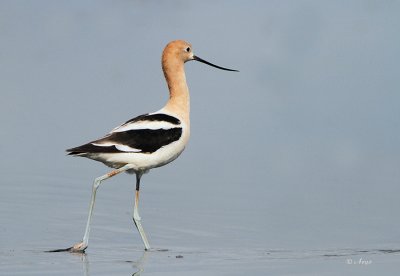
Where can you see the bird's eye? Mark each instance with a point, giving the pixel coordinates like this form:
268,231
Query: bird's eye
188,49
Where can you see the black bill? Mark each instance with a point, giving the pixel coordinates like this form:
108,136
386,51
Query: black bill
213,65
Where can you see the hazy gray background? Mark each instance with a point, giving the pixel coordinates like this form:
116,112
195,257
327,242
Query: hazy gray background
298,151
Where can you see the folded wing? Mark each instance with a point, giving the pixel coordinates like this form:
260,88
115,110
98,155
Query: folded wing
143,134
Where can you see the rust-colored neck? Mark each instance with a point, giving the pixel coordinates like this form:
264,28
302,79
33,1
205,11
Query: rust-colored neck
179,100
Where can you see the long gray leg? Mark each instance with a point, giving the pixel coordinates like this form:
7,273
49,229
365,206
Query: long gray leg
81,246
136,217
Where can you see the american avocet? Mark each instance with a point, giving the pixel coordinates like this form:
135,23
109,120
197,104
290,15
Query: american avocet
147,141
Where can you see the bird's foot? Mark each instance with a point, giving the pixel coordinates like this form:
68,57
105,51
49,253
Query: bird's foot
80,247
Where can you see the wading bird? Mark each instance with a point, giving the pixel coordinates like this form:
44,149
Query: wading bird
147,141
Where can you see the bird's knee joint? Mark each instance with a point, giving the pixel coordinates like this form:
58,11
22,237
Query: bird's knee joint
136,217
96,183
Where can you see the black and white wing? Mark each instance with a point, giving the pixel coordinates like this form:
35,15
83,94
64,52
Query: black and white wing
143,134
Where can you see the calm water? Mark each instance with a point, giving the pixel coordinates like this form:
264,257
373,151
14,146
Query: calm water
189,237
292,167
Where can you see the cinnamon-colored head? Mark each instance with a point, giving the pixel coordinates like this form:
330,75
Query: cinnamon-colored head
177,52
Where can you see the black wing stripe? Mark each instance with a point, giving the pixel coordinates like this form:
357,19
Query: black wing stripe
90,148
155,117
145,140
